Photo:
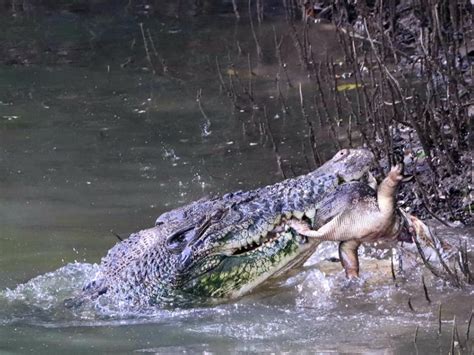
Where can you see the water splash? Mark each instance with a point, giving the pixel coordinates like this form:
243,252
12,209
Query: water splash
45,290
42,298
206,128
170,154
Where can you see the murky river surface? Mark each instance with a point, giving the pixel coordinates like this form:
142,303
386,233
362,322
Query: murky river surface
92,143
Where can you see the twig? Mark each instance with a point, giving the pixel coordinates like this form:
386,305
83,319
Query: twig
250,90
281,65
219,74
236,10
387,72
198,100
309,124
463,261
260,11
325,107
437,246
453,335
439,319
425,202
425,289
330,68
164,67
298,46
469,326
392,268
254,34
274,145
430,267
229,90
145,44
117,236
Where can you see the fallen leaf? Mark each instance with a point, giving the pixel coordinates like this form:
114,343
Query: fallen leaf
345,87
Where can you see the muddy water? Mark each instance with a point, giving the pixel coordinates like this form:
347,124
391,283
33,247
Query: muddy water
93,144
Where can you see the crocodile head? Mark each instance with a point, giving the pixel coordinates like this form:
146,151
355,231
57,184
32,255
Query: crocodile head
347,164
221,247
245,242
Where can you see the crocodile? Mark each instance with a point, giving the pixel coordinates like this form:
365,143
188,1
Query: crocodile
223,247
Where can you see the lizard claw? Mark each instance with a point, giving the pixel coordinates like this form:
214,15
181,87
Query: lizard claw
396,172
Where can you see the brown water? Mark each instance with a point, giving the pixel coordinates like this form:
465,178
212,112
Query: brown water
92,143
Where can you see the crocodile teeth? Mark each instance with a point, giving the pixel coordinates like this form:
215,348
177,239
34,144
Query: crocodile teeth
277,220
249,241
244,234
257,239
270,227
311,213
288,215
298,214
261,238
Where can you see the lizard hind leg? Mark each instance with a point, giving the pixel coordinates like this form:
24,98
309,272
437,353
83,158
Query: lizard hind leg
349,257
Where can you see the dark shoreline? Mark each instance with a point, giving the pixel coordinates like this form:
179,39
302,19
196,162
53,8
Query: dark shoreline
386,50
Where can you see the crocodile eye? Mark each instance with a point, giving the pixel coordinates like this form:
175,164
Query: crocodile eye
341,154
177,241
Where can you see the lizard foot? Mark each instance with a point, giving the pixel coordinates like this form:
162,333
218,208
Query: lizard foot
396,173
303,228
